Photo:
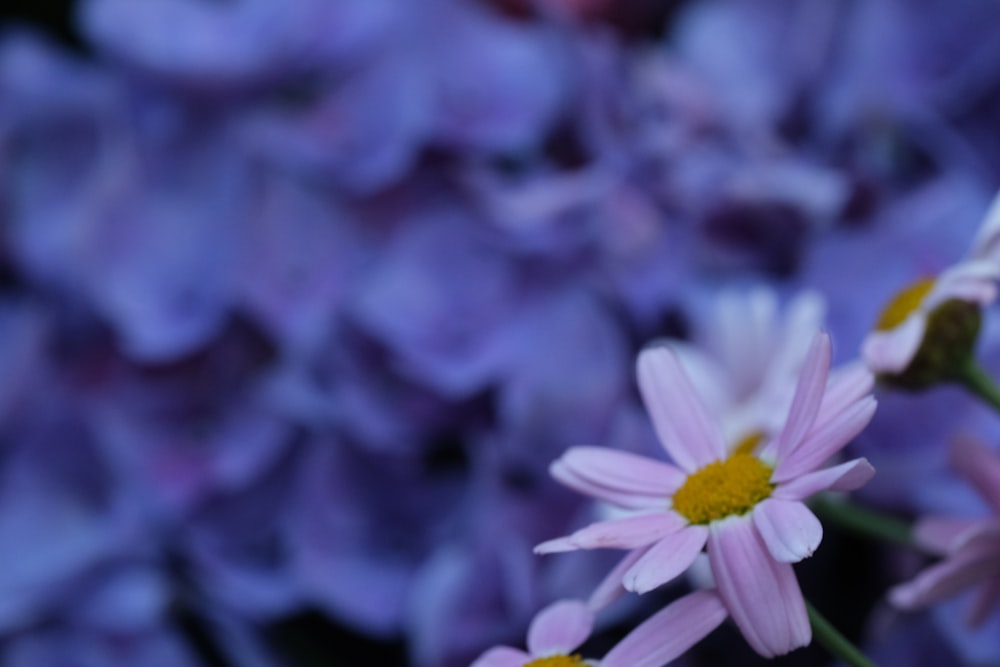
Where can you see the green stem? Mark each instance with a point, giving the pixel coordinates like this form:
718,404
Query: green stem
834,642
863,520
975,380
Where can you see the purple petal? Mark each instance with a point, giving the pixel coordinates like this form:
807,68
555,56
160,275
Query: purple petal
668,633
939,535
844,477
947,578
560,628
617,476
790,531
807,399
980,465
502,656
685,430
666,559
761,594
826,441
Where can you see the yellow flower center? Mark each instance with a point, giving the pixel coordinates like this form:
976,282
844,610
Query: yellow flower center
557,661
724,488
905,302
748,445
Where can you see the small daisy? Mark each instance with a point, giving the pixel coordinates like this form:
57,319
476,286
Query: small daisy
744,509
559,629
931,324
971,547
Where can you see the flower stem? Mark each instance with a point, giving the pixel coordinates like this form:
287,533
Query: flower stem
865,521
834,642
975,380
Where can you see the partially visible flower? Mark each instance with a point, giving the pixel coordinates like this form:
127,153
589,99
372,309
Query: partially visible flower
745,367
563,626
746,509
930,327
970,546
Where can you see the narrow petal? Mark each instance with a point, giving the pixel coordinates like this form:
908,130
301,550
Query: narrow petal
762,595
847,385
892,351
986,601
980,465
808,397
669,633
790,531
682,424
844,477
666,559
987,241
947,578
629,532
940,535
826,441
621,473
624,499
502,656
560,628
610,588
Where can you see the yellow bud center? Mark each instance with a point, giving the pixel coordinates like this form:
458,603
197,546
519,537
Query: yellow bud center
748,445
724,488
905,302
556,661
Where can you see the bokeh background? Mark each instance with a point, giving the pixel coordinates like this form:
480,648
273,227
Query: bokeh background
299,298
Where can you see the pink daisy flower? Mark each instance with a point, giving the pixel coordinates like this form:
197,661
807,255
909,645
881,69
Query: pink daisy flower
746,509
901,328
563,626
971,547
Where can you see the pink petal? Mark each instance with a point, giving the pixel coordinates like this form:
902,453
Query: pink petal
939,535
629,532
826,441
666,559
560,628
807,398
762,595
844,477
986,601
892,351
624,499
947,578
682,424
669,633
601,470
610,588
847,384
980,465
790,531
502,656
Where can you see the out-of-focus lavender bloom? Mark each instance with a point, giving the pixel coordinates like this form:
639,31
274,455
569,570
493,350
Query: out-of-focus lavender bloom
499,85
211,47
359,526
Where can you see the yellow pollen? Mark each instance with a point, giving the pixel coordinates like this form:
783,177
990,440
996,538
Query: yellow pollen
748,445
557,661
724,488
903,303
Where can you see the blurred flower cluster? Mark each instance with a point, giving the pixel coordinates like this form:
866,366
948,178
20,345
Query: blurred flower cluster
300,299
